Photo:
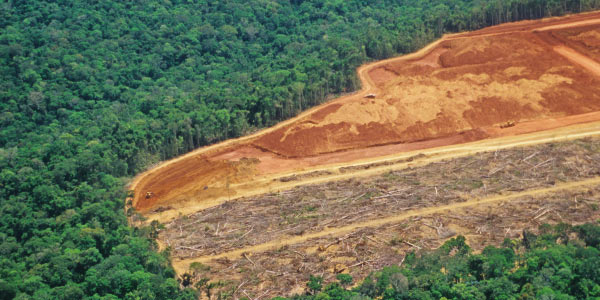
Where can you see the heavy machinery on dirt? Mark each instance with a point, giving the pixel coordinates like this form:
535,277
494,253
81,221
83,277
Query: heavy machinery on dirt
508,124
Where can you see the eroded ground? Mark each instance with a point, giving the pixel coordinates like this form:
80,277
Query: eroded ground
585,40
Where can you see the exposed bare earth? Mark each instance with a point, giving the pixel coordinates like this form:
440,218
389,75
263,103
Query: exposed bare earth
540,75
467,136
274,241
373,166
459,180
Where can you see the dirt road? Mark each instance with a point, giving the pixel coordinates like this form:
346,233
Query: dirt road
582,60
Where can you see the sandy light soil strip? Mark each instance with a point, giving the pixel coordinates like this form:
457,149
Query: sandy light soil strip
182,265
579,59
569,25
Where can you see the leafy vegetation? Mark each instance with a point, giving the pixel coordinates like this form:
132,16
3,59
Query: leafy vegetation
553,265
92,92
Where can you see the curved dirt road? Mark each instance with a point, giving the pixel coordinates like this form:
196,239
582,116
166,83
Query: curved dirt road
256,183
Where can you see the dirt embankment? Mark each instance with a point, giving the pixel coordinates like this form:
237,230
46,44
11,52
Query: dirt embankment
495,82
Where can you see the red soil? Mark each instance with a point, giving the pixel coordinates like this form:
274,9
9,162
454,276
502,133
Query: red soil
539,74
584,40
461,85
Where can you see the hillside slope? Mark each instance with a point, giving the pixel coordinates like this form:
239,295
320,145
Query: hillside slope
461,88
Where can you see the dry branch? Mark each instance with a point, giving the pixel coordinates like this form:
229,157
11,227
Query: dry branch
248,258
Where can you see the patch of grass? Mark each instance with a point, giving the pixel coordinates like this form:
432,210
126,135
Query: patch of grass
476,184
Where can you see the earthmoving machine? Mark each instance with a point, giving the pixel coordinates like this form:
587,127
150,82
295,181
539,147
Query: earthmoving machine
508,124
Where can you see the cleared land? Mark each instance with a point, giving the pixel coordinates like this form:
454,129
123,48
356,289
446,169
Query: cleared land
271,243
483,134
462,88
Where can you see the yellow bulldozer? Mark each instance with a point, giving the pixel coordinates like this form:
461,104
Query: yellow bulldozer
508,124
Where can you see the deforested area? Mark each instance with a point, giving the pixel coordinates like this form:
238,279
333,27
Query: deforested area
363,224
99,99
508,80
286,269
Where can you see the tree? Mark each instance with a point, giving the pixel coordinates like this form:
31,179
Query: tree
7,291
344,279
315,284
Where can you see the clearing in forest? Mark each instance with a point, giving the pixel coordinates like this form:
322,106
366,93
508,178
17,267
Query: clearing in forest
484,134
501,81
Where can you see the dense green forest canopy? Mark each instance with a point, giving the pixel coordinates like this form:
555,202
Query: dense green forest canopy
562,263
92,92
